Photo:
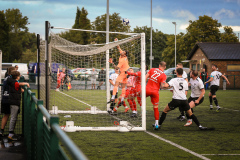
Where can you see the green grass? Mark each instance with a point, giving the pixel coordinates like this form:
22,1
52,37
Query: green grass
224,139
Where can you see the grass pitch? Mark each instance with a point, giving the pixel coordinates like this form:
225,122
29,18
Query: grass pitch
225,139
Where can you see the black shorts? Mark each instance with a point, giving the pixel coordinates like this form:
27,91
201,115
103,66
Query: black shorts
213,89
194,99
182,104
116,96
5,108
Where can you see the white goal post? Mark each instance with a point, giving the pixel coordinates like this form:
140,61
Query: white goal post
76,94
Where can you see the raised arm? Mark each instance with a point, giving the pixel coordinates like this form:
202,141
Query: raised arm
111,61
226,79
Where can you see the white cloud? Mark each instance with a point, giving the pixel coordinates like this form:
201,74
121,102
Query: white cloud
157,10
160,20
235,1
183,26
224,13
184,14
235,28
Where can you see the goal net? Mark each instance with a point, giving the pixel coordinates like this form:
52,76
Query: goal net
77,93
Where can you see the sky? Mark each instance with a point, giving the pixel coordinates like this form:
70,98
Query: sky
61,13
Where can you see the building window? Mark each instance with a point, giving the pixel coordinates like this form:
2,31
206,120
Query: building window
193,66
233,67
198,67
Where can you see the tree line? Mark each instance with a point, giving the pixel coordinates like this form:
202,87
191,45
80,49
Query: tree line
19,45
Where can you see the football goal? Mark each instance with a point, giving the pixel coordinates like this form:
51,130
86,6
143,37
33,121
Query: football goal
74,80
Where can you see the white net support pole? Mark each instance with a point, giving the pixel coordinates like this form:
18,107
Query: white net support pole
107,58
143,79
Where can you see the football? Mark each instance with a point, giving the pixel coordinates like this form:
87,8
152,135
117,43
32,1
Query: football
125,21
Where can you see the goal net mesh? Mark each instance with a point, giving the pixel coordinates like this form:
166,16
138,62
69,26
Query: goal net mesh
75,94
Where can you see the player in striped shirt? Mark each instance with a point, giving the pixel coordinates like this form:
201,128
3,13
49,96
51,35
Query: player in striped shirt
156,78
214,81
179,99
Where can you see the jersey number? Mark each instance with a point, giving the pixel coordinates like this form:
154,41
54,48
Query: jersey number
155,75
181,86
218,76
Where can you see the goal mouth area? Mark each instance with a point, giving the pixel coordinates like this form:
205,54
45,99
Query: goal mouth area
75,79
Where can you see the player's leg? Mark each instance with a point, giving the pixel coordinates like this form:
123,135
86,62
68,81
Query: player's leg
164,114
134,108
112,104
189,119
155,100
138,94
210,97
215,98
187,108
115,90
58,84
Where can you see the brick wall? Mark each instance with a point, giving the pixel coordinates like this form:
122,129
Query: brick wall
199,55
233,76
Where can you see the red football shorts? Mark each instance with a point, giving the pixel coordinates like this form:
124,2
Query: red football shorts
130,91
154,94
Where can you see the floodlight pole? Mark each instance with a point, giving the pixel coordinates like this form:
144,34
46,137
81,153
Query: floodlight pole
175,44
151,39
107,57
38,65
46,65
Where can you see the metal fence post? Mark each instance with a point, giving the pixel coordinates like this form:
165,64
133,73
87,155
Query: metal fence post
39,131
54,146
32,126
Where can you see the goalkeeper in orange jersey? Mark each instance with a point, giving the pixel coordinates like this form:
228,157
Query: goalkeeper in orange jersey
122,78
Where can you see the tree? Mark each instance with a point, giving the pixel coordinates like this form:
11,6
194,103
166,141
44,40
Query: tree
4,37
205,29
158,44
17,35
169,52
116,25
228,35
81,22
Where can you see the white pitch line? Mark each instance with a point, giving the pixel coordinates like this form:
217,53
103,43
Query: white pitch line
76,99
220,154
178,146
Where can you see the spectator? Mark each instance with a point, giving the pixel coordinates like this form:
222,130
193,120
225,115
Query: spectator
93,78
5,107
60,78
15,91
102,75
16,67
204,76
7,74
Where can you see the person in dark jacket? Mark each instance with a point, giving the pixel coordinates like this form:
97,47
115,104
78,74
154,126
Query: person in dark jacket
204,76
102,76
5,107
15,91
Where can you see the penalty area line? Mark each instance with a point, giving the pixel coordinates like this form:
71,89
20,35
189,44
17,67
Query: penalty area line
76,99
178,146
220,154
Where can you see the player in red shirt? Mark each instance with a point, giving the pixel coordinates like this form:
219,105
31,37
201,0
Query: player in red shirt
156,78
129,95
137,86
